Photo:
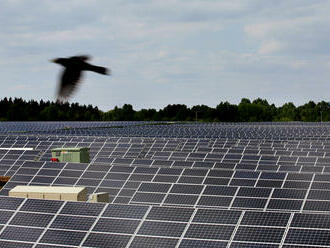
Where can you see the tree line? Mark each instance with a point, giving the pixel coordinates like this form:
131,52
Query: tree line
257,110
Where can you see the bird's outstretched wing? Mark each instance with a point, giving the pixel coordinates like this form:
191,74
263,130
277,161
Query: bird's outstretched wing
82,57
69,82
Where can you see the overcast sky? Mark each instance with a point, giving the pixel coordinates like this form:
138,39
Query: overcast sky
166,52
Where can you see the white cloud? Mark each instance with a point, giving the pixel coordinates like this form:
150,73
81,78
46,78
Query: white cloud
164,51
271,47
278,28
299,64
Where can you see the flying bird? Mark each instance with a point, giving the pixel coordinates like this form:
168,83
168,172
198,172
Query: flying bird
73,68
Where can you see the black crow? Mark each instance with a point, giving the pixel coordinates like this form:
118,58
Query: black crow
72,74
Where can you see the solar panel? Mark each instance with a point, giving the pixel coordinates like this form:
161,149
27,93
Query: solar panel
178,185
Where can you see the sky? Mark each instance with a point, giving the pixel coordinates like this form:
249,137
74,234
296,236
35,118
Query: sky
160,52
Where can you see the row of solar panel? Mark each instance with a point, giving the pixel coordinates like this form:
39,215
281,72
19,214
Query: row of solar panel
100,170
200,130
176,147
161,142
189,158
102,225
202,187
160,166
207,142
305,133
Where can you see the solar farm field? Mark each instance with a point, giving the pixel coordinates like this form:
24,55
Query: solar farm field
231,185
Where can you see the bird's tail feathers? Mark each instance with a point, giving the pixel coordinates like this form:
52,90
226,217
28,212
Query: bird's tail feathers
100,69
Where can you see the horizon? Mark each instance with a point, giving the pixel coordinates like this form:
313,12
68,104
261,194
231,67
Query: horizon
161,108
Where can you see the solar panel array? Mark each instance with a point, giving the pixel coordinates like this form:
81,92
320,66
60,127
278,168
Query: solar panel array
211,191
278,131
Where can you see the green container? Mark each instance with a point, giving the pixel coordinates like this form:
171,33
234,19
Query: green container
71,154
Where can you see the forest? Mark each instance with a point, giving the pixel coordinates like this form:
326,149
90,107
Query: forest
257,110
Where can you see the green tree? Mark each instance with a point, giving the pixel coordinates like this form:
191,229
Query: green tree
288,112
308,112
50,113
226,112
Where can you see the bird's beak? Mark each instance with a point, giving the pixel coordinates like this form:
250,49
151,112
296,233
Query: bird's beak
52,60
